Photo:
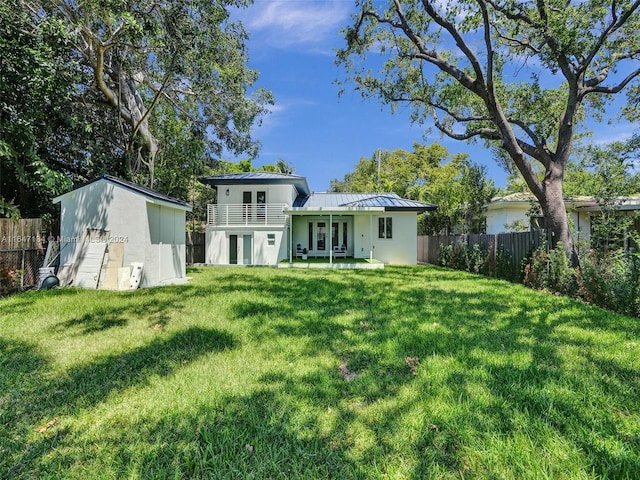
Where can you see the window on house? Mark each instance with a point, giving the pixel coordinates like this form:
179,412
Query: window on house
261,200
246,205
322,235
271,239
385,227
334,234
310,236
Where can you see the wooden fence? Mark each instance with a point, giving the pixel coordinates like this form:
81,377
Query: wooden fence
517,245
195,247
23,244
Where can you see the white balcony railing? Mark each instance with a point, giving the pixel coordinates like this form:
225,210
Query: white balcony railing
246,214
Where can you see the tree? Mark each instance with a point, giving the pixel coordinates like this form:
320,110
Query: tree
37,79
453,61
428,174
148,59
607,174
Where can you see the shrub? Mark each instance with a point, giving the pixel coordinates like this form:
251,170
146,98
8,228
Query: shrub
611,281
504,266
461,257
551,271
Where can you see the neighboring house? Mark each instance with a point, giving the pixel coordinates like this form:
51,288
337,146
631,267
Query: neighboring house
503,213
263,218
109,224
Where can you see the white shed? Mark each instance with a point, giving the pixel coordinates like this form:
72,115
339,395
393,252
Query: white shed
109,225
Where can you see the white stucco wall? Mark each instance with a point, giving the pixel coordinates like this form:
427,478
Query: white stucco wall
276,194
104,206
217,246
402,249
153,234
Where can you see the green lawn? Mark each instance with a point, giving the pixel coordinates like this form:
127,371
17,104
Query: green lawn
287,373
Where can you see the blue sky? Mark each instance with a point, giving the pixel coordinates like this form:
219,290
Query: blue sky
292,44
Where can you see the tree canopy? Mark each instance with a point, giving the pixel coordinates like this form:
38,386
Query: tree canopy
520,76
458,186
148,90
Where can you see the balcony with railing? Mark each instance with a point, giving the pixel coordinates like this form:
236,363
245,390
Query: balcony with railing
250,215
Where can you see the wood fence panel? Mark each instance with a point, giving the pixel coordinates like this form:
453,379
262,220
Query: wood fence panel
518,245
195,251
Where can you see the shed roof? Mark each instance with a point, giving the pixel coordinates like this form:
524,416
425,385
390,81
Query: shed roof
258,178
147,192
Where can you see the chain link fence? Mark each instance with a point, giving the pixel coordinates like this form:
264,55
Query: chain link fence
23,246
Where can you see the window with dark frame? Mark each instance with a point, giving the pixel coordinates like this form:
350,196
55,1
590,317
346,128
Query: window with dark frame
322,235
310,236
385,227
246,205
261,200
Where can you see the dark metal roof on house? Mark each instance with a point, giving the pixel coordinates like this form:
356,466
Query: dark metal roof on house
259,178
389,201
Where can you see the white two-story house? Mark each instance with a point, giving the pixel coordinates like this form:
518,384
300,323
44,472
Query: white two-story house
264,218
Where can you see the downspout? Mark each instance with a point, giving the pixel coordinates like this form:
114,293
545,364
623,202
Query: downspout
291,238
371,237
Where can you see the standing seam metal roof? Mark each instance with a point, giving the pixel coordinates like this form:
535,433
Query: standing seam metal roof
389,201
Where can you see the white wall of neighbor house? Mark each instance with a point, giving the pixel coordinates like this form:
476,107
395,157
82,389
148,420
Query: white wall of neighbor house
497,218
402,247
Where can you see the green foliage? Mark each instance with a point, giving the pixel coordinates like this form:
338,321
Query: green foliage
550,269
430,174
505,268
460,257
611,281
147,91
608,280
38,134
452,64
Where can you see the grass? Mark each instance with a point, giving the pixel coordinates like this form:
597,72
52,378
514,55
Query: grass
401,373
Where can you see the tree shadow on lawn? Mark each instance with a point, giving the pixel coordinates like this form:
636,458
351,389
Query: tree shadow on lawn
158,306
32,395
518,355
258,435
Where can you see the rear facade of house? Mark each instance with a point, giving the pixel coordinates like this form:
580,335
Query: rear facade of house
264,218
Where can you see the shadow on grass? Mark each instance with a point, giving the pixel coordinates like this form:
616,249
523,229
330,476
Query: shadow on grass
251,436
503,387
32,395
512,367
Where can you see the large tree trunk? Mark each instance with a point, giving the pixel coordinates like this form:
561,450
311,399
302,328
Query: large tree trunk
555,213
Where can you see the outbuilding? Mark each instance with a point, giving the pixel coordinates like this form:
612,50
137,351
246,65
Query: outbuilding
117,235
